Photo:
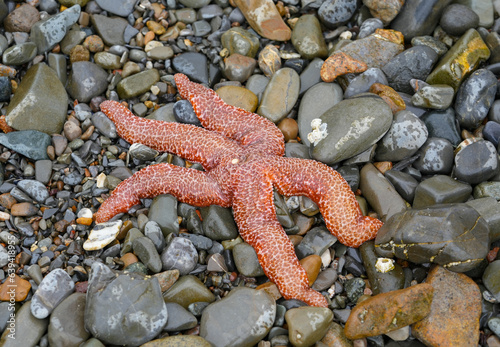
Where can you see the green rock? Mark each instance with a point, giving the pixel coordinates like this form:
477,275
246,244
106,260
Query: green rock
107,60
307,325
487,189
137,84
67,322
440,189
307,37
145,250
132,234
30,143
218,223
187,290
19,54
40,102
74,37
240,41
246,260
57,62
459,62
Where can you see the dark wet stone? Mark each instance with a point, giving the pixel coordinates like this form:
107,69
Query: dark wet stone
442,124
183,319
121,8
256,314
218,223
19,54
30,143
110,29
405,136
432,42
477,162
307,37
163,211
489,209
246,260
354,288
5,89
66,322
435,157
86,80
184,113
451,235
381,282
310,75
145,250
413,63
363,82
457,19
419,17
54,288
491,132
404,183
187,290
474,98
435,96
180,254
118,304
240,41
440,189
333,13
36,190
316,241
193,65
32,329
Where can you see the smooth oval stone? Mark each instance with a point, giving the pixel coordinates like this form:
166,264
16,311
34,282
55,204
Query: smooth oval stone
86,80
381,282
316,101
107,60
183,318
246,260
137,84
180,254
307,37
270,60
484,9
380,193
31,327
187,290
419,17
405,136
47,33
451,235
121,8
353,126
463,58
491,279
311,75
389,311
307,325
42,93
34,189
281,94
184,113
54,288
240,41
256,314
123,308
194,3
474,98
239,96
363,82
239,67
218,223
264,18
457,19
67,322
440,189
163,210
110,29
145,250
476,162
193,65
19,54
491,132
413,63
435,156
437,96
333,13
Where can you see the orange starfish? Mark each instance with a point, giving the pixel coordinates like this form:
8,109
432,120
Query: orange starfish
242,154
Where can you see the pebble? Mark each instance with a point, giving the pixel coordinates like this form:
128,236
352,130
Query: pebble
339,64
457,19
163,210
334,13
67,322
256,316
304,331
389,311
102,235
240,41
184,113
180,254
437,97
441,189
21,19
476,162
53,289
441,239
109,315
239,67
435,156
33,328
307,38
145,250
362,82
187,290
239,96
15,284
246,261
137,84
457,293
110,29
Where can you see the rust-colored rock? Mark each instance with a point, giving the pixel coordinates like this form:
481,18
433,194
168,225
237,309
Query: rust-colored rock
389,311
385,10
24,209
390,96
271,289
14,286
7,200
129,259
335,337
312,265
391,35
455,311
167,279
22,19
4,126
339,64
265,19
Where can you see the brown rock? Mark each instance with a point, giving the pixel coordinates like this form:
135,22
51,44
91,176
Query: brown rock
16,286
7,200
128,259
93,43
389,311
239,67
269,60
390,96
393,36
21,19
271,289
239,97
385,10
312,265
335,337
264,18
339,64
289,128
23,209
455,311
79,53
167,279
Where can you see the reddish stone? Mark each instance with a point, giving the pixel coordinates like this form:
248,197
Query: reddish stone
455,311
16,286
339,64
390,96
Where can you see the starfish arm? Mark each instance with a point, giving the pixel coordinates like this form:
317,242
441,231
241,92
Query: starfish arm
254,212
187,185
247,128
188,141
327,188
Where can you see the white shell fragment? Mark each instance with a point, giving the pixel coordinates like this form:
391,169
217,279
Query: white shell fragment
384,265
318,132
102,235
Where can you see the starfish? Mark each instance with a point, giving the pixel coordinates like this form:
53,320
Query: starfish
242,155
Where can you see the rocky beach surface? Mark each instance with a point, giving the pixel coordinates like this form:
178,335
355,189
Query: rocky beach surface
400,97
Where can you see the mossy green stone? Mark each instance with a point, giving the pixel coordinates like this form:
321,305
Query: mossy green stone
307,37
459,62
137,84
240,41
40,102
